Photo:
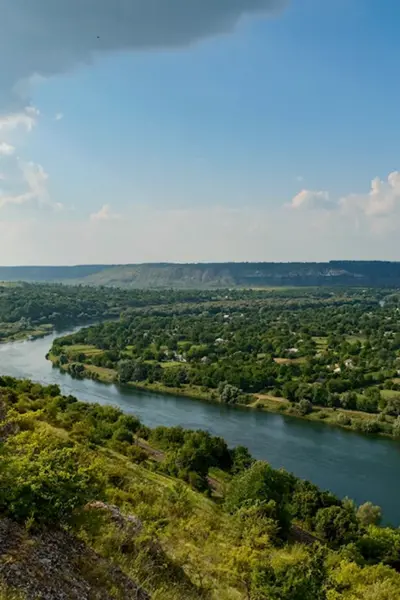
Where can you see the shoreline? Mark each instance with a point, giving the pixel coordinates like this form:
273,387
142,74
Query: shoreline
260,402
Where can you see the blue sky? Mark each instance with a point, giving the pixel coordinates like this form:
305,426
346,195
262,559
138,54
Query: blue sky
248,132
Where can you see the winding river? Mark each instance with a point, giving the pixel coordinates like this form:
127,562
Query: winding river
349,464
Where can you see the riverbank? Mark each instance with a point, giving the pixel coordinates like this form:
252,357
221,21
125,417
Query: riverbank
358,421
10,332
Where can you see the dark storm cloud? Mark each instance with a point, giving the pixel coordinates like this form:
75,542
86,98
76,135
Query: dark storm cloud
52,36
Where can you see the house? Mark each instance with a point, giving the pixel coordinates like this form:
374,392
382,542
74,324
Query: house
293,350
219,341
349,363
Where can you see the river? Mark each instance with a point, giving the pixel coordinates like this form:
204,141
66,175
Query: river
345,462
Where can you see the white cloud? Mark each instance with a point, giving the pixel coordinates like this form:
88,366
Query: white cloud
309,199
104,214
26,118
146,234
6,149
33,178
376,211
382,200
59,116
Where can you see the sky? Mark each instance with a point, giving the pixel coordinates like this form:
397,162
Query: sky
199,131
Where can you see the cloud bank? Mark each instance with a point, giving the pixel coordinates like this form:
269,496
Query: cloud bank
378,209
48,37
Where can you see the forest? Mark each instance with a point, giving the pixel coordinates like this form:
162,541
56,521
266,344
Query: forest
169,513
31,310
331,355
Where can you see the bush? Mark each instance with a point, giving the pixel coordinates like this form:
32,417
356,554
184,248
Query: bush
343,419
299,576
367,426
122,434
305,407
137,454
46,479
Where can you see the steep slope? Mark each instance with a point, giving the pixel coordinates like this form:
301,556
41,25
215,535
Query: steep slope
56,565
216,275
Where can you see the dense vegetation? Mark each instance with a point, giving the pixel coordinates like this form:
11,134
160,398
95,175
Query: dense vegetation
316,353
36,309
216,275
202,520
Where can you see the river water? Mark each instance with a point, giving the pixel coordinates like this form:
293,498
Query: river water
345,462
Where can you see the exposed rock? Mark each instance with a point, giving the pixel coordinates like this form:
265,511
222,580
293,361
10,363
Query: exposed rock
54,565
130,522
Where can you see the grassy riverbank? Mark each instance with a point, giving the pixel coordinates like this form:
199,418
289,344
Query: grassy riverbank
14,332
346,419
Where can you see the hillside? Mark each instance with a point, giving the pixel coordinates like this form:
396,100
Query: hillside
215,275
96,506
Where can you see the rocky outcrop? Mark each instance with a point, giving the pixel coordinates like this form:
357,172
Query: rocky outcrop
130,523
54,565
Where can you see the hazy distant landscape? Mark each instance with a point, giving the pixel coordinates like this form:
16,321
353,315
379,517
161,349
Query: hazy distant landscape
215,275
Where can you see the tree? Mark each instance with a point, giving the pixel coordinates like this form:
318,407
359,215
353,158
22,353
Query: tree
261,483
125,371
229,394
369,514
241,459
336,525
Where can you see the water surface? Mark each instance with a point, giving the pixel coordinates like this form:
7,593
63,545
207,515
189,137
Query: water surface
348,463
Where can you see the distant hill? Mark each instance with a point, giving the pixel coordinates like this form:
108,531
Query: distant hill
216,275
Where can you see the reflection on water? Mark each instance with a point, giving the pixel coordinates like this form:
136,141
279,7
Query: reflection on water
347,463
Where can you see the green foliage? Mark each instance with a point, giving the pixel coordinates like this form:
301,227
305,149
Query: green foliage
188,546
396,428
241,459
380,544
336,525
314,348
261,483
46,479
305,407
369,514
307,499
301,575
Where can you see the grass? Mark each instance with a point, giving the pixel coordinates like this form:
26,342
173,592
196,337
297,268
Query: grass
182,549
12,332
356,338
85,349
266,402
105,375
390,394
321,343
289,361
